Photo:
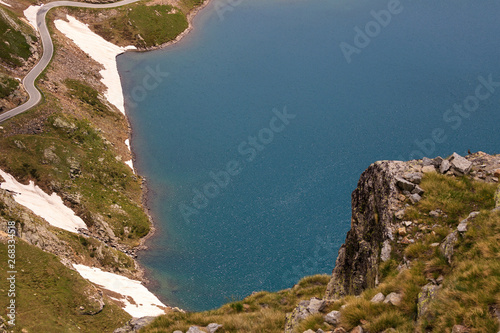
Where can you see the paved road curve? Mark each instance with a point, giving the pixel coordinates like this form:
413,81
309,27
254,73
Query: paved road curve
48,51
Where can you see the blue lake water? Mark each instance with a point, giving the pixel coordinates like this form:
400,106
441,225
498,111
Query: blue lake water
245,200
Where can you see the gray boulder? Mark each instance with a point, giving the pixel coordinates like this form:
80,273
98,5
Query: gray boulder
413,177
418,190
459,329
379,298
394,299
194,329
445,166
462,226
414,198
426,295
437,161
460,165
333,318
447,246
303,310
427,162
316,305
404,185
213,327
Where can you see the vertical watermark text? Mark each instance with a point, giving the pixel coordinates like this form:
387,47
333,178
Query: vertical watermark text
11,272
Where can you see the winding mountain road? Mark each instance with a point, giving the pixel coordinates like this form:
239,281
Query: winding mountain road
48,51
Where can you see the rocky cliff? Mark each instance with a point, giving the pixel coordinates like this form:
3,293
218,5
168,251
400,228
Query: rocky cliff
383,193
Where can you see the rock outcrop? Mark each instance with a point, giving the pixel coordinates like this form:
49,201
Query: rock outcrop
375,203
384,191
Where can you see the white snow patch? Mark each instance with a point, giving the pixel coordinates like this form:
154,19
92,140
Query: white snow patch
127,143
146,303
49,207
130,163
4,3
101,51
30,14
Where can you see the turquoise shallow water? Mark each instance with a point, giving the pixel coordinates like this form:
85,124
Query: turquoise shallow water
276,202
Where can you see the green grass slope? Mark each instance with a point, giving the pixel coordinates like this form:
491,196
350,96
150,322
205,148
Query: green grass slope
50,297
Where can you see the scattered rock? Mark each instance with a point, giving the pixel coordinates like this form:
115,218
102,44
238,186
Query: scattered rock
459,329
460,165
427,162
379,298
357,329
404,185
402,231
194,329
213,327
407,223
333,318
448,244
462,226
74,167
309,331
414,198
319,330
413,177
418,190
49,156
135,324
394,299
390,330
445,166
425,296
400,214
177,332
61,123
19,144
303,310
437,161
428,169
316,305
435,213
339,330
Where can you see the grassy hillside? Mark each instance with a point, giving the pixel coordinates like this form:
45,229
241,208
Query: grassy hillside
52,298
74,159
142,25
15,41
260,312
